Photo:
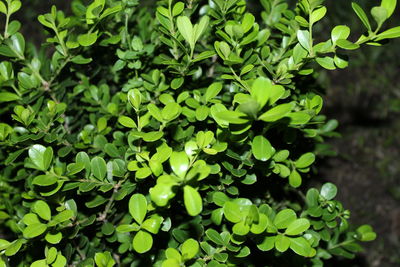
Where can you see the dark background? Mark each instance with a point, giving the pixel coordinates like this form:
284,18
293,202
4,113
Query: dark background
365,99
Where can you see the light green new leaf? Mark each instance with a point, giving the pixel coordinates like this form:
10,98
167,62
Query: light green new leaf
189,249
138,207
297,227
142,242
390,6
192,200
262,148
380,14
200,28
185,28
329,191
14,7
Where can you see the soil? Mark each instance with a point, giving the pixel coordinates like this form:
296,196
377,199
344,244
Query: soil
367,169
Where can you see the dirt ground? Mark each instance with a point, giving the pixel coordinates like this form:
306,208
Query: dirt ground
365,100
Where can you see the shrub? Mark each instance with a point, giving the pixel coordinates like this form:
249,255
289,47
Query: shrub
179,135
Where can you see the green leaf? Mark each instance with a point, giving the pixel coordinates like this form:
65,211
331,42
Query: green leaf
282,243
212,91
262,148
177,82
45,180
326,62
153,224
318,14
260,226
41,156
328,191
390,6
171,263
200,28
304,39
127,122
162,193
277,113
241,228
189,249
179,162
34,230
389,34
305,160
138,207
345,44
185,28
3,8
297,227
30,218
233,117
284,218
232,212
361,14
104,259
14,247
267,244
192,200
99,167
87,39
42,209
142,242
8,97
340,32
53,238
214,236
264,91
301,246
18,43
178,9
366,233
295,179
14,7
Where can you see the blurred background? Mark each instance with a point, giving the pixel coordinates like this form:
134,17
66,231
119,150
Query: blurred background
365,99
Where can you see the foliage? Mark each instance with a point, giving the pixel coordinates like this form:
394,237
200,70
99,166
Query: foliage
179,135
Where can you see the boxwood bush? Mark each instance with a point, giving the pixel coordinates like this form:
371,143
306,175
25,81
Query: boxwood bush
179,134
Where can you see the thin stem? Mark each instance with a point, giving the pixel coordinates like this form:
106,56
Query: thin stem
6,27
238,79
